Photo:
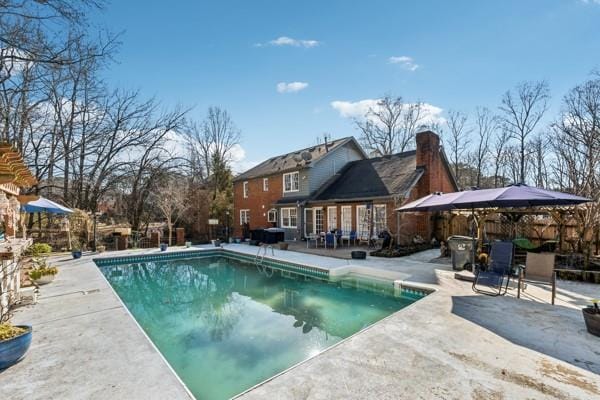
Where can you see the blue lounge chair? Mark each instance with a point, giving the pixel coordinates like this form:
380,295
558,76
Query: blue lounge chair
329,240
352,237
494,279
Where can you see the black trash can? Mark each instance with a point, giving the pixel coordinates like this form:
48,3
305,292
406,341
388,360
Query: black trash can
461,250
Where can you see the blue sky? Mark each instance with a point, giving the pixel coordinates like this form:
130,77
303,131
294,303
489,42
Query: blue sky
450,54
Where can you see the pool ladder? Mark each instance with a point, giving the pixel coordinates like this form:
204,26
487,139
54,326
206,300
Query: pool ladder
258,260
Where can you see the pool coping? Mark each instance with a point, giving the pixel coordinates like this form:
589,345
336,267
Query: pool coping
341,271
187,390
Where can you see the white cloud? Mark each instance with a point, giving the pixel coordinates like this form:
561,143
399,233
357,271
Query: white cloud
239,163
430,114
288,41
405,62
357,109
291,87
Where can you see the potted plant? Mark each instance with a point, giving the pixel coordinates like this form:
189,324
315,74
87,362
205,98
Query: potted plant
43,275
100,248
188,244
14,340
76,249
163,247
38,250
14,343
591,315
283,245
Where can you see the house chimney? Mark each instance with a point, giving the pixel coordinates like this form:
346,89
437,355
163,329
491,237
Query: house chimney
428,158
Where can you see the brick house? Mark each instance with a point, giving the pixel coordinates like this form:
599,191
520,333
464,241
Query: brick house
336,185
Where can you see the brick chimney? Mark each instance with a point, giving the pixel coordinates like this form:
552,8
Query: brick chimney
428,158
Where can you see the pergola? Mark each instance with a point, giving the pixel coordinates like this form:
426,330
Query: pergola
514,200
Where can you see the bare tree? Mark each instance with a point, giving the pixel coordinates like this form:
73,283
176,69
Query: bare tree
576,141
522,110
499,155
539,146
485,127
457,140
171,200
215,137
390,126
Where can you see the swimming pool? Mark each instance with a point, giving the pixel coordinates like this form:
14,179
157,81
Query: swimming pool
225,324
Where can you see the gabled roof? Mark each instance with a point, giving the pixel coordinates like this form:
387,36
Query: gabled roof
374,177
296,160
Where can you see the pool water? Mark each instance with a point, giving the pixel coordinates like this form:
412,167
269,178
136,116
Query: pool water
225,325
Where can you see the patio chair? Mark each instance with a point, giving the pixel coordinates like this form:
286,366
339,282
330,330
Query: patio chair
352,238
312,237
538,268
329,240
494,279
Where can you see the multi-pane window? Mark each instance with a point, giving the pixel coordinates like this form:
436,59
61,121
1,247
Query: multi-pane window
289,217
245,187
244,217
272,215
379,219
291,182
318,220
265,184
331,218
346,219
362,222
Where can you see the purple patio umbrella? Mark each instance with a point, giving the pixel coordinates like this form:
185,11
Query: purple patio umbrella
519,195
511,196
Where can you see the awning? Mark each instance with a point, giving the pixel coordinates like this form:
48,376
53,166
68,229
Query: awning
45,205
511,196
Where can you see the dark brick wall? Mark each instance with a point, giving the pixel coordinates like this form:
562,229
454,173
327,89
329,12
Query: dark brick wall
258,202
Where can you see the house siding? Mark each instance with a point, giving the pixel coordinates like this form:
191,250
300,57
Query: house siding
325,168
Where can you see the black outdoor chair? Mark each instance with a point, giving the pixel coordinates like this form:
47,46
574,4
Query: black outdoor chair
494,279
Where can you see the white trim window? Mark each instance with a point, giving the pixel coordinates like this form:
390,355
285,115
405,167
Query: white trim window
318,222
244,217
346,219
291,182
289,217
331,218
245,189
379,219
272,215
265,184
362,222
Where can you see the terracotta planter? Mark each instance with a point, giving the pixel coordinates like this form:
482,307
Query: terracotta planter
592,320
283,246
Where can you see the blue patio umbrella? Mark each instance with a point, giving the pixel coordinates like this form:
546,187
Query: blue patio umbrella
44,205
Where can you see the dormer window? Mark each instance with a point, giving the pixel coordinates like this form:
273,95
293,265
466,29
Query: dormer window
245,188
291,182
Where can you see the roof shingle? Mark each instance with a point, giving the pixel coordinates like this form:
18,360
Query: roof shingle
374,177
293,160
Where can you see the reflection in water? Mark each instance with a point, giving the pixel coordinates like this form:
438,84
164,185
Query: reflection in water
225,325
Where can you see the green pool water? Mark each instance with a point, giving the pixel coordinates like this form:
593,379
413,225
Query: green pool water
225,325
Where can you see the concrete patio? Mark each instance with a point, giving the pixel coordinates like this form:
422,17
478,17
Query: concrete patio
453,344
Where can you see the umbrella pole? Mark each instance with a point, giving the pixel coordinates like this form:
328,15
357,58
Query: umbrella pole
475,243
